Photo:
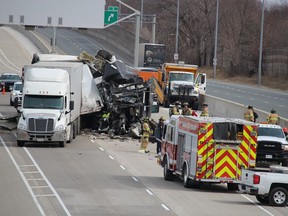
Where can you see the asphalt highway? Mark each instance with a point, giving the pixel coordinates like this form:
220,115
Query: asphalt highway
96,175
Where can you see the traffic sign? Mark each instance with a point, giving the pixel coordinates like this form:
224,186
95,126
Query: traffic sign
111,15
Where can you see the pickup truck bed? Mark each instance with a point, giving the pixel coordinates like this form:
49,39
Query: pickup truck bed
270,186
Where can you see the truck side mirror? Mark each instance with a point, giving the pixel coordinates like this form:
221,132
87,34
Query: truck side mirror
71,105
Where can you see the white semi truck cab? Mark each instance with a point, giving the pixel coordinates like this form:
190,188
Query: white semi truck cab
55,94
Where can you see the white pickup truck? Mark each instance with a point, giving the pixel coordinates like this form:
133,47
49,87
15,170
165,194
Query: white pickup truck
269,186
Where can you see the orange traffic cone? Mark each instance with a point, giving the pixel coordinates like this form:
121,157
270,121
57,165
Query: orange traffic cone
3,90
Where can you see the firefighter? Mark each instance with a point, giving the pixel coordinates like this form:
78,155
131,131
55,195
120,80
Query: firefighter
176,109
146,132
249,115
205,111
158,135
186,110
273,117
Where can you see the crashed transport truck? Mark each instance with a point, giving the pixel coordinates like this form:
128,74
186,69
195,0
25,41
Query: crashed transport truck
57,91
63,94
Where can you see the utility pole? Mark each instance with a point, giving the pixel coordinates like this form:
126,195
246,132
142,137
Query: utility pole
261,42
216,41
176,55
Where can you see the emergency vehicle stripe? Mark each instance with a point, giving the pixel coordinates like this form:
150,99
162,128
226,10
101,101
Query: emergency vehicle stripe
250,139
205,151
226,163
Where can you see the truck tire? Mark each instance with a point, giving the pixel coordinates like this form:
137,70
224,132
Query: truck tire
232,186
185,175
71,134
278,196
74,129
168,175
285,163
11,103
62,144
262,199
20,143
195,105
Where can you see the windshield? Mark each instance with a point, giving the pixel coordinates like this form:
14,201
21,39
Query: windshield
18,87
43,102
10,77
189,77
273,132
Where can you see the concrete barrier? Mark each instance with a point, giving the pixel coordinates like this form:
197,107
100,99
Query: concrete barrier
29,34
224,108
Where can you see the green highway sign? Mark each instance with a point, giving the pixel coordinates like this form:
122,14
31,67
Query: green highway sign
111,15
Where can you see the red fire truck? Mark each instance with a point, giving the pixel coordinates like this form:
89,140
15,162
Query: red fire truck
207,149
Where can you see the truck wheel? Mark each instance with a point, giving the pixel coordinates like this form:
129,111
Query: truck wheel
71,134
168,175
195,105
278,196
262,199
285,163
20,143
62,144
232,186
186,180
74,130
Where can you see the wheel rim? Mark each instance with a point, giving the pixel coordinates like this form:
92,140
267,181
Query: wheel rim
279,197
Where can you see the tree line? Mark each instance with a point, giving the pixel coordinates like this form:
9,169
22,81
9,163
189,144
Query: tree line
238,30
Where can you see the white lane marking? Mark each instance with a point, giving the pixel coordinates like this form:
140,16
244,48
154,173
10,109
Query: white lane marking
165,207
252,99
122,167
8,66
92,141
260,207
23,178
102,149
45,195
135,179
93,43
280,105
48,182
149,192
13,66
239,96
266,102
111,157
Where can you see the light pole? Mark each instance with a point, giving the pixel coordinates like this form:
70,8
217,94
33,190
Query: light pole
261,42
142,8
176,57
216,40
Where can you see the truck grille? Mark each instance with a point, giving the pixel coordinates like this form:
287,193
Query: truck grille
40,125
269,147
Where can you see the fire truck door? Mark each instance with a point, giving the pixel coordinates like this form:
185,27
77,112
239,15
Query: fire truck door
180,151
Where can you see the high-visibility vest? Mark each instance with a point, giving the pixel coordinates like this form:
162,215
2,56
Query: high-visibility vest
146,130
272,118
249,116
